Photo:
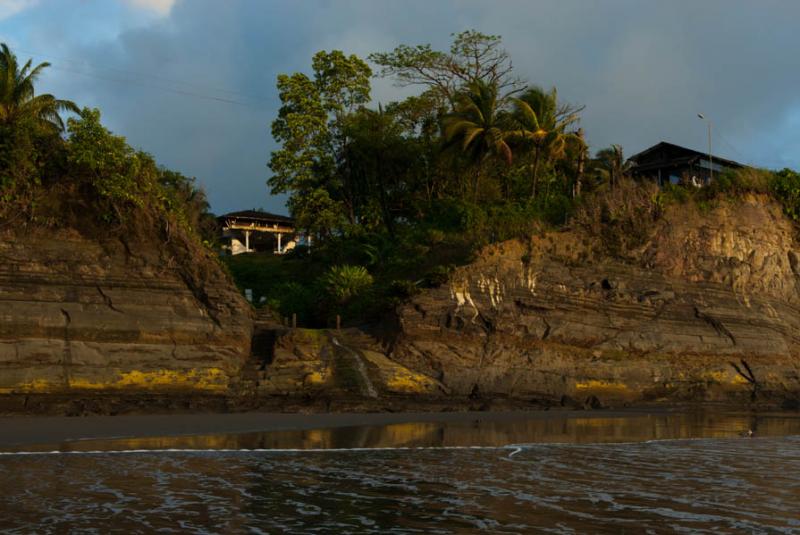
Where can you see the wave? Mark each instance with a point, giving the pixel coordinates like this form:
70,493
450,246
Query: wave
514,449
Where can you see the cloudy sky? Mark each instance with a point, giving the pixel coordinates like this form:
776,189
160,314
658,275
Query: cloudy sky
193,81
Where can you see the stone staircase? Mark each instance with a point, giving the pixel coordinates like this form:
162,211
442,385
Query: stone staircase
350,370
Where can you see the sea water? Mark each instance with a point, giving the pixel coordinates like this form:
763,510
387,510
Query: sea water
640,474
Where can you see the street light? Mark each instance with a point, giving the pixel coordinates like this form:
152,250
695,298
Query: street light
710,158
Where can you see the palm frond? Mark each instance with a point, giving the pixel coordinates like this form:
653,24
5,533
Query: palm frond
18,100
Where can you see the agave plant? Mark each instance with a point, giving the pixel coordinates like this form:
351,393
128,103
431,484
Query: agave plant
345,282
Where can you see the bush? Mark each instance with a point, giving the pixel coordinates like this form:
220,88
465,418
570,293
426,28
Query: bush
453,215
621,218
738,182
293,298
402,288
554,210
345,282
105,161
438,276
785,187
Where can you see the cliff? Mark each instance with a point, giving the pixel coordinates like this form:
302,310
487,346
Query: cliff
706,309
140,312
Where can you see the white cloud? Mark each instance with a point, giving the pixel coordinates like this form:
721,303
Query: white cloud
9,8
160,7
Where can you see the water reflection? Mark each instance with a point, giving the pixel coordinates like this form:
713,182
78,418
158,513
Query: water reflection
479,432
585,475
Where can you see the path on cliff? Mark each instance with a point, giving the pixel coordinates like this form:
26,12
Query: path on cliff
349,362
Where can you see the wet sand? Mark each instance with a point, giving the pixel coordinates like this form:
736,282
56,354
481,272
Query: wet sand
17,431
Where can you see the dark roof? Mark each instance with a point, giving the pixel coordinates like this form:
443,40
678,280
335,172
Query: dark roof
677,154
257,215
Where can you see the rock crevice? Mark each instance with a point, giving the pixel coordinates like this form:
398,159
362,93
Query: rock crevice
78,315
662,322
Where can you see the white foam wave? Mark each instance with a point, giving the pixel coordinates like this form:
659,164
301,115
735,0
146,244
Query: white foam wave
253,450
513,449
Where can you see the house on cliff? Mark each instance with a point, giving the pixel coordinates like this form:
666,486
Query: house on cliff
251,231
673,164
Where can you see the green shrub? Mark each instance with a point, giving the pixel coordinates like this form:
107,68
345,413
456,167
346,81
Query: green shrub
673,194
290,298
343,283
554,210
622,218
785,187
402,288
737,182
438,276
454,215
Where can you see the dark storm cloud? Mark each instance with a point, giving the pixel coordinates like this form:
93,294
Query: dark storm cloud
643,69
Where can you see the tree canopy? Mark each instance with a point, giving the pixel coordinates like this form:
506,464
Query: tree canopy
476,133
18,101
473,56
58,172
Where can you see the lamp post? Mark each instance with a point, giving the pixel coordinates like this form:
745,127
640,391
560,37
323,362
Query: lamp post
710,158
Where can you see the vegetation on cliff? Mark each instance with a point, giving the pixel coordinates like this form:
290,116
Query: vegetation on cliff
409,189
394,195
80,174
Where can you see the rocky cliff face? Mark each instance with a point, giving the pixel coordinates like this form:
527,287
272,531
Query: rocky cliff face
708,308
122,315
554,318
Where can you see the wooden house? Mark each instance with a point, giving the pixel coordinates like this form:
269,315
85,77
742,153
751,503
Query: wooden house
250,231
670,163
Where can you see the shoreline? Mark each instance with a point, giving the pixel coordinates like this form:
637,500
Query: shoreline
29,430
69,432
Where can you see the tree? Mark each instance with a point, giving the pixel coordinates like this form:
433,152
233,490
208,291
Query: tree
612,165
380,159
479,126
18,101
304,161
473,57
541,127
29,123
120,177
311,129
420,118
189,203
343,84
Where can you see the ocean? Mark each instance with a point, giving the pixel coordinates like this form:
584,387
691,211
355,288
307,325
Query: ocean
646,473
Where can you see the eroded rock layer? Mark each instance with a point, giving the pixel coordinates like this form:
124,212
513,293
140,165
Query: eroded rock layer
77,314
707,309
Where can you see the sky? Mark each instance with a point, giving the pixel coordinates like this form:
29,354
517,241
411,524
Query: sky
193,81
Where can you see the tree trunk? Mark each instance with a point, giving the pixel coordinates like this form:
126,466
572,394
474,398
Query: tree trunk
535,178
581,165
384,199
476,182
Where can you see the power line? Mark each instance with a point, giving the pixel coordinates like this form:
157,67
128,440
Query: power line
167,89
769,165
196,90
737,151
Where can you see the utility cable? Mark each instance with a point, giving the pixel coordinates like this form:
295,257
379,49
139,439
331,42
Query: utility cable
195,89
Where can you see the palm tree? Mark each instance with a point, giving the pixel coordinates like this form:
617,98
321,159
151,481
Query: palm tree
480,126
612,165
18,101
540,125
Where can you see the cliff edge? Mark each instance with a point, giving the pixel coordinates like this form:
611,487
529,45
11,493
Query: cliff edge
705,309
140,311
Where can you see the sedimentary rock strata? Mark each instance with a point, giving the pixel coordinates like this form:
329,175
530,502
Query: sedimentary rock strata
77,314
557,317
